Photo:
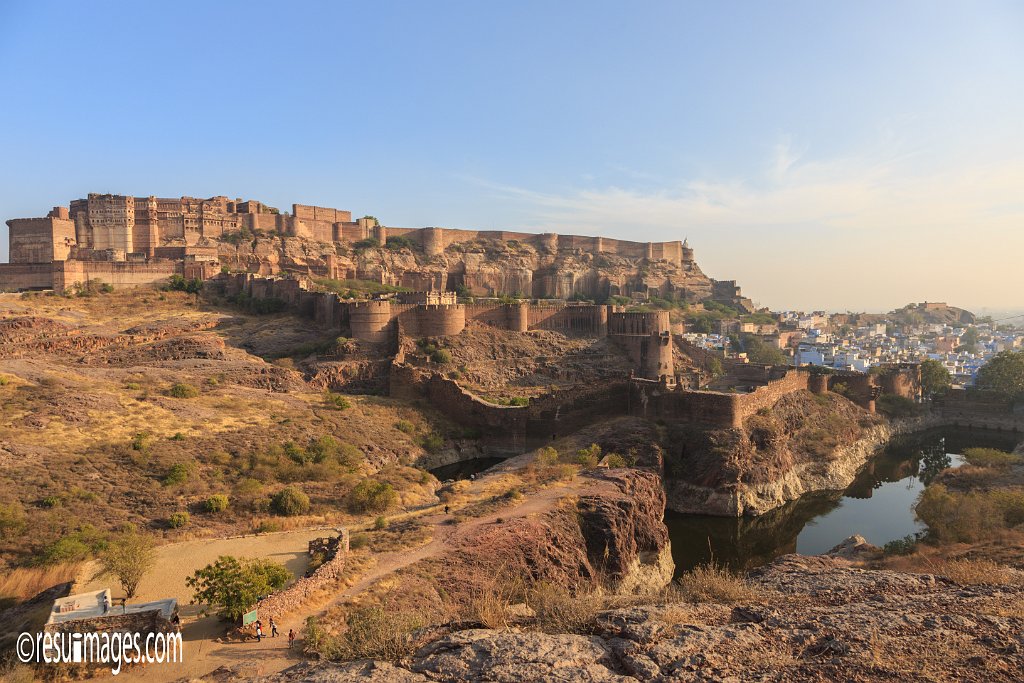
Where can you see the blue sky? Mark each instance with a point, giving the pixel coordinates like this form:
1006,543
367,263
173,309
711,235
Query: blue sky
826,155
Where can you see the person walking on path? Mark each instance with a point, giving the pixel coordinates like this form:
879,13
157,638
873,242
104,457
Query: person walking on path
259,632
273,628
291,638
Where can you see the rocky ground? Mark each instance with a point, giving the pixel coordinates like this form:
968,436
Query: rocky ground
806,619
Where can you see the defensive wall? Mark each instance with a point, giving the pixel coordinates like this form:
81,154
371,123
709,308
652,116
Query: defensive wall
511,429
980,410
60,275
646,337
657,400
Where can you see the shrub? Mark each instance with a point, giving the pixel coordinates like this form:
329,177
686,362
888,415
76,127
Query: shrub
373,632
12,520
615,460
53,502
183,390
216,503
368,243
432,442
405,426
336,401
990,457
358,541
588,457
547,456
559,611
178,520
371,495
892,405
967,517
380,523
714,583
441,356
901,546
177,475
289,502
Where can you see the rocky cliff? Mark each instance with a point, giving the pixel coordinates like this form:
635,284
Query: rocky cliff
483,267
804,619
804,443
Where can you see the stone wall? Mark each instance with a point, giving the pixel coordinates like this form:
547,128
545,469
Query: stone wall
292,598
19,276
656,400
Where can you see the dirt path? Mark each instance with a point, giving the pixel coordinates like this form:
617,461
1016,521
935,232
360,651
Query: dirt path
203,653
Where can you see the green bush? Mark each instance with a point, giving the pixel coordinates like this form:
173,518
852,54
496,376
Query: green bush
178,520
615,460
892,405
901,546
177,475
441,356
371,495
432,442
358,541
380,523
336,401
216,503
405,426
183,390
289,502
53,502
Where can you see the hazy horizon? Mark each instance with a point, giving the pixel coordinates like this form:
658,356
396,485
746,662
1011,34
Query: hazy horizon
838,157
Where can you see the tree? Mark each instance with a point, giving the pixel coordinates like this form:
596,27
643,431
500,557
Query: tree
760,352
969,340
233,586
1004,374
935,378
128,556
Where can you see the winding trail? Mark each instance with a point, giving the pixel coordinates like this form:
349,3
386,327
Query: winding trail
203,653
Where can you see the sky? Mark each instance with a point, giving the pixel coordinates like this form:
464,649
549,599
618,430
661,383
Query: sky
839,156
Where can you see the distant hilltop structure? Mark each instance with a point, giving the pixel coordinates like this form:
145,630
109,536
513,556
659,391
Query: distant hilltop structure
126,241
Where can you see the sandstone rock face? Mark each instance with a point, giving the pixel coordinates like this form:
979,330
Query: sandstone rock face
613,534
804,445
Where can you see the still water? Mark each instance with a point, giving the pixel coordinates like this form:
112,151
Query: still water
464,468
878,505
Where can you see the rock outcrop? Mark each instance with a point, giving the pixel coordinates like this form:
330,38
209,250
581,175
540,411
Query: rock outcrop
814,619
805,443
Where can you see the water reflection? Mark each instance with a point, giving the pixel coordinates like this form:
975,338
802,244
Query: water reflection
878,505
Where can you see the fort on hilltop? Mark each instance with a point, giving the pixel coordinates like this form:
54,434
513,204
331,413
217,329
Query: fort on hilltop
128,241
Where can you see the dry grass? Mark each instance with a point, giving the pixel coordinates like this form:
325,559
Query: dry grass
559,611
23,583
715,583
980,571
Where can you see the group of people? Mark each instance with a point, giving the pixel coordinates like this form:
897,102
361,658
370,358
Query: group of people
273,632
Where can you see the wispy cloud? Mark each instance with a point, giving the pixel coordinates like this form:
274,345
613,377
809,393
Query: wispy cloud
881,208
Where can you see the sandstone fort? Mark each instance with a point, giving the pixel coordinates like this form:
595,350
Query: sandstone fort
126,241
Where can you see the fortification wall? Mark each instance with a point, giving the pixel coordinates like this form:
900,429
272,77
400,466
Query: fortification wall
116,273
18,276
654,400
40,240
502,427
370,320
